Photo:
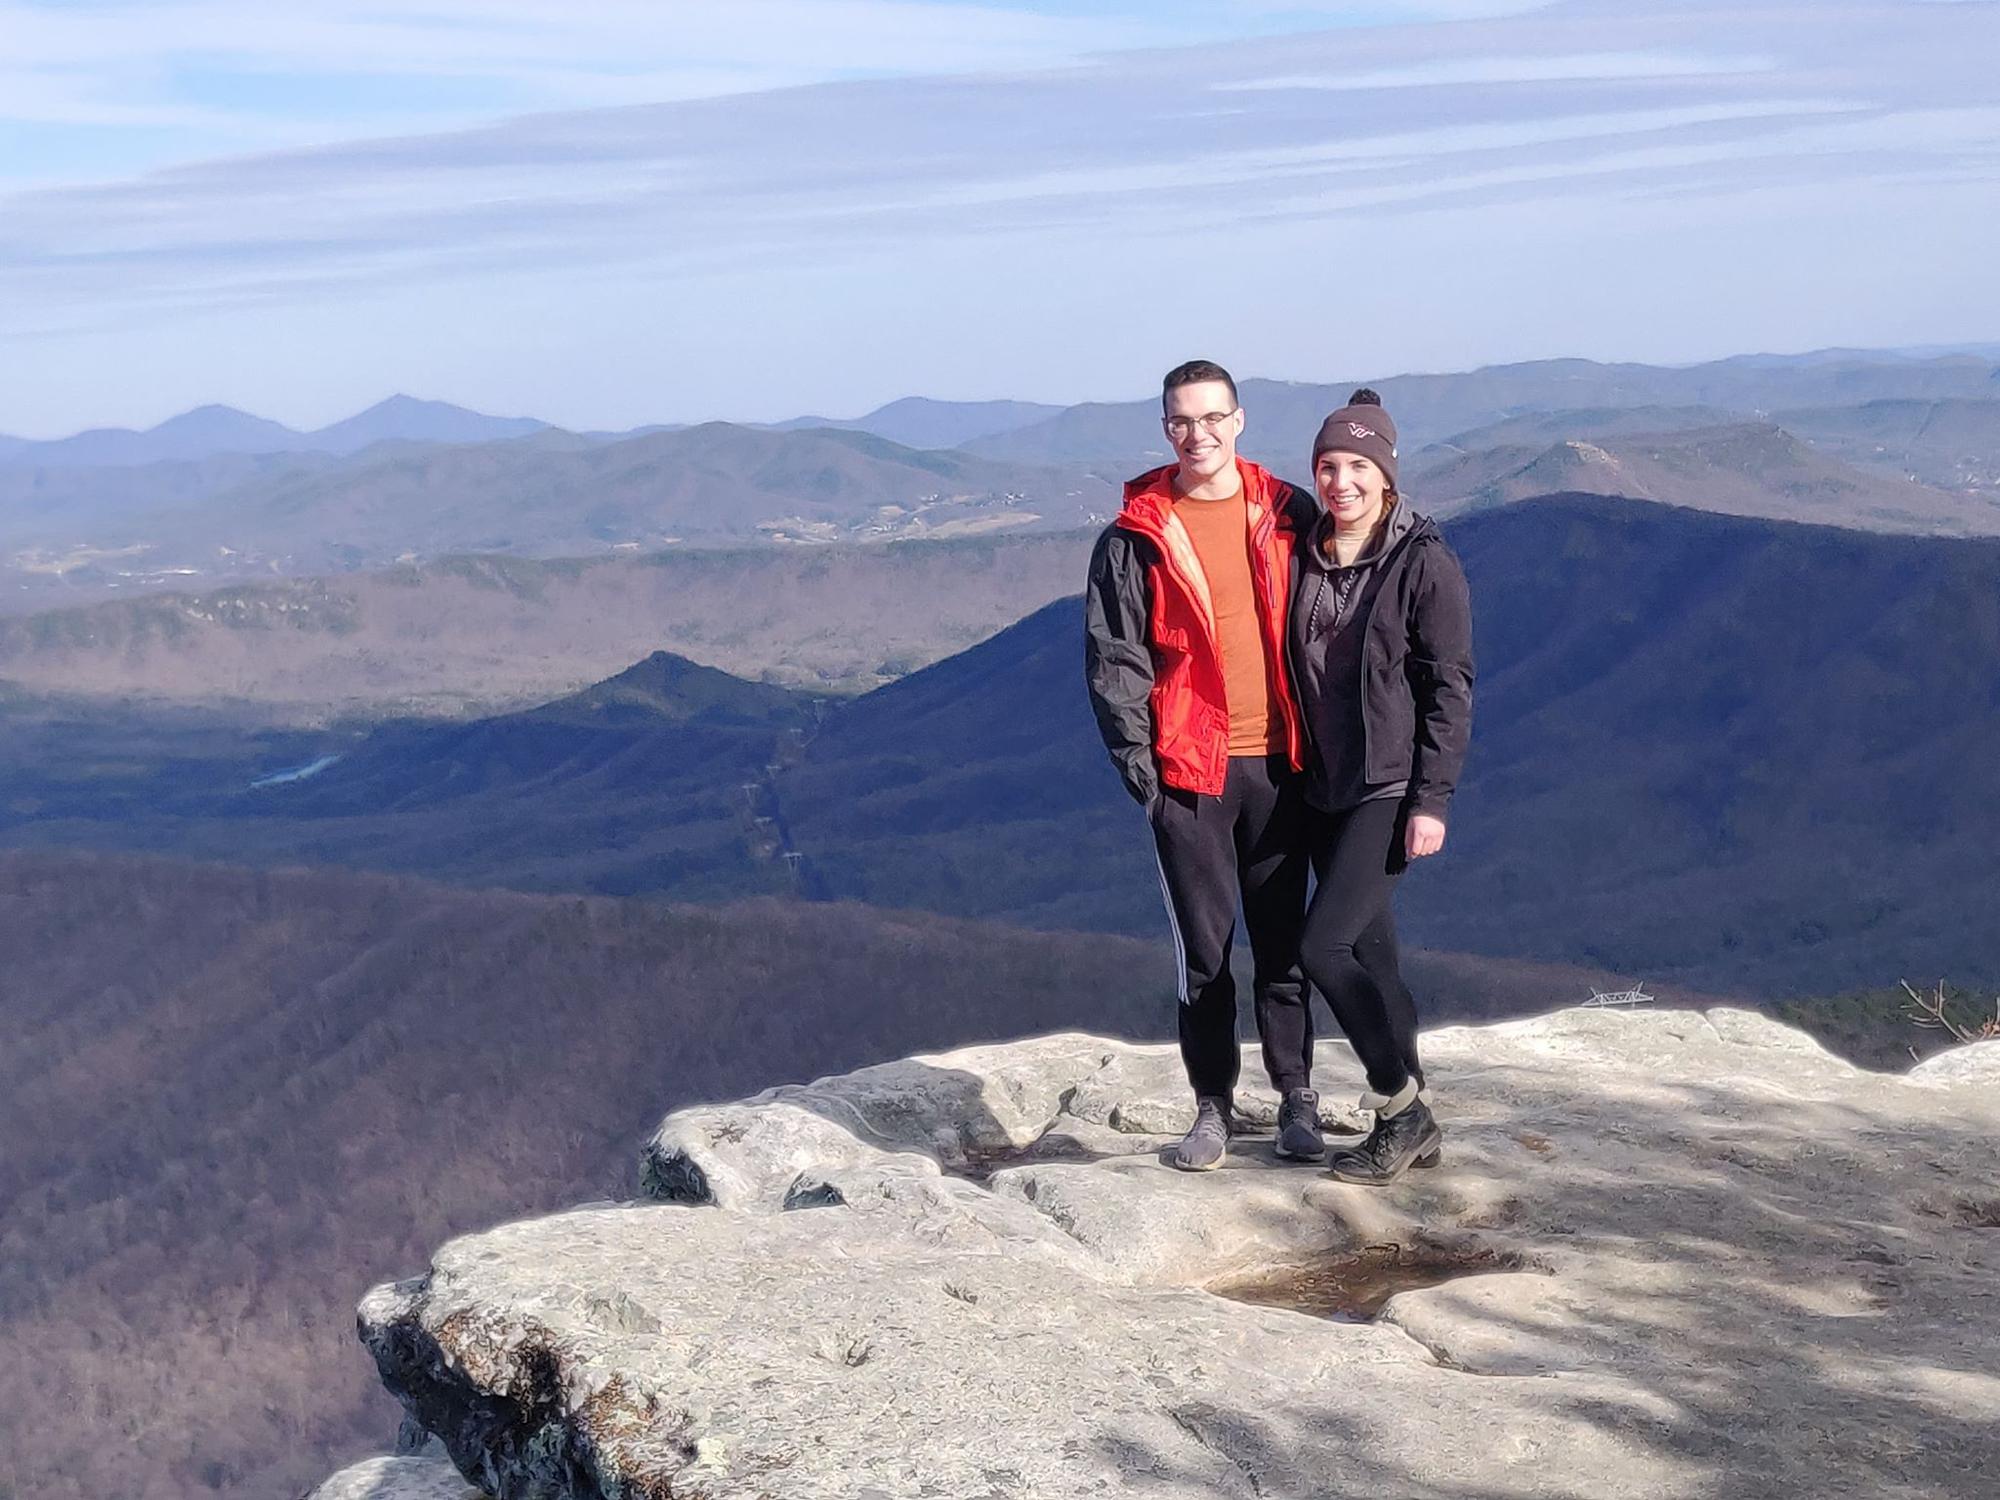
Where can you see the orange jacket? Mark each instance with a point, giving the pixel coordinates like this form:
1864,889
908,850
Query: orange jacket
1184,717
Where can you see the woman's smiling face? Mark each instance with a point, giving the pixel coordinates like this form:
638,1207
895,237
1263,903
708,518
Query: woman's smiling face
1351,488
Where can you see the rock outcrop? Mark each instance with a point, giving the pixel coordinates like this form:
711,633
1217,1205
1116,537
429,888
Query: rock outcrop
398,1479
1668,1254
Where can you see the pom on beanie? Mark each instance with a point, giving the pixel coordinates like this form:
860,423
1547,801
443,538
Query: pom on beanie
1363,427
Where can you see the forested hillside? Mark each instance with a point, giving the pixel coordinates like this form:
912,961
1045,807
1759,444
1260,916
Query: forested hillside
1745,755
231,1101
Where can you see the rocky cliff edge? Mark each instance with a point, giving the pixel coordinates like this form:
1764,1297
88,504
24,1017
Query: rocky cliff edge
1668,1254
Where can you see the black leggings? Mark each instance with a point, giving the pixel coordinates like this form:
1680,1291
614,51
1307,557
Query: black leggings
1349,945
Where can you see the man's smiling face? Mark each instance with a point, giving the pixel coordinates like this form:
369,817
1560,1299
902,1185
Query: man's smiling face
1202,421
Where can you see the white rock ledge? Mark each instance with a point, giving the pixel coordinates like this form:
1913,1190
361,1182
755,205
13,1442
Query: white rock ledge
398,1479
1706,1258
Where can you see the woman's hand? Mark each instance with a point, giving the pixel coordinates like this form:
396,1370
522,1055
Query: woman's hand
1423,834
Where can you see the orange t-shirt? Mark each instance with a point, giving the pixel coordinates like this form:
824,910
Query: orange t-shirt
1220,531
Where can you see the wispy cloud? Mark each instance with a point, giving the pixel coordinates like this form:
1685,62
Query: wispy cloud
1574,67
1111,155
546,47
249,73
1565,98
229,76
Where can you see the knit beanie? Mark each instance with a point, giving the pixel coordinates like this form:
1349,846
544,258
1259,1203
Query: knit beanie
1360,427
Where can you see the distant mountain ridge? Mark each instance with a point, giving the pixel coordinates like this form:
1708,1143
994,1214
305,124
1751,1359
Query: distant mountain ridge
208,431
1743,468
549,495
1430,408
1284,415
715,482
409,480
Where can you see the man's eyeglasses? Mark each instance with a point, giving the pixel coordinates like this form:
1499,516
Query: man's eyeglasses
1208,421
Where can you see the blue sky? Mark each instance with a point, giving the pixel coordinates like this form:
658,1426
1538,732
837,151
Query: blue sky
636,210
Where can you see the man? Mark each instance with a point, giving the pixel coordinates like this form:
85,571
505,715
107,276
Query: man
1184,654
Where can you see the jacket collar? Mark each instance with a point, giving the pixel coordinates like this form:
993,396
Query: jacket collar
1149,499
1149,510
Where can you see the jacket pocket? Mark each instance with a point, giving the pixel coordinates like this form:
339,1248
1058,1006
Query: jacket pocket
1389,722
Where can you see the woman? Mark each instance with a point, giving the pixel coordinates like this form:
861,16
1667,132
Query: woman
1381,643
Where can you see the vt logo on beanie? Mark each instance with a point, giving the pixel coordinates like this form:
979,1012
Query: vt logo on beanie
1360,427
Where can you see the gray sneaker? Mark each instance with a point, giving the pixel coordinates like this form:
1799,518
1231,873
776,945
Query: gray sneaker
1207,1141
1298,1127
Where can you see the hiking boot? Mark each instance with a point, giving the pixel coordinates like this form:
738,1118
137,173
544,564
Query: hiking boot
1207,1141
1406,1135
1424,1095
1298,1127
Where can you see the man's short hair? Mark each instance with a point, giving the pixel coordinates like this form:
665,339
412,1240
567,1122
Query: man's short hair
1193,373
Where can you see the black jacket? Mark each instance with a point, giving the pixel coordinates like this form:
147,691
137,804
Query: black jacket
1117,658
1416,668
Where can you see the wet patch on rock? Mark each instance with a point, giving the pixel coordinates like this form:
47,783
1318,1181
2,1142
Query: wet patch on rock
1354,1287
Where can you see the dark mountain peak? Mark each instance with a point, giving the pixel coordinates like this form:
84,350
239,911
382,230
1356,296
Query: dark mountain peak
667,688
986,699
662,720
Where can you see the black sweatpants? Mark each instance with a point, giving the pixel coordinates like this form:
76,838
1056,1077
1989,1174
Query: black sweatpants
1349,945
1249,846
